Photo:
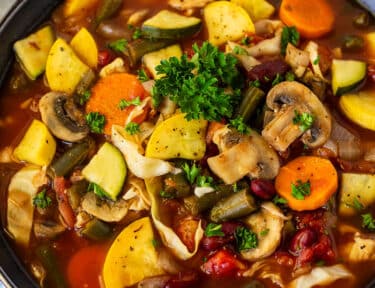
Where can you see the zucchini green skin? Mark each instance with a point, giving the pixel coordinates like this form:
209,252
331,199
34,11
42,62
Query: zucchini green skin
177,33
347,75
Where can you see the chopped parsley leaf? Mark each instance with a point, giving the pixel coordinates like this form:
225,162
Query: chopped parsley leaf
142,75
239,50
96,122
99,191
118,45
191,172
264,232
304,120
213,229
155,242
245,239
279,200
277,79
356,205
289,35
289,76
41,200
316,61
137,34
166,195
124,104
246,40
368,221
301,189
132,128
204,181
240,126
84,97
255,83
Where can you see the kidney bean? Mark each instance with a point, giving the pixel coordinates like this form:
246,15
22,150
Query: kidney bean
104,58
323,249
182,280
306,256
304,238
267,71
215,242
263,189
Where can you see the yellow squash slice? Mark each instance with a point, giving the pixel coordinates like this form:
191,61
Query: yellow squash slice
85,47
257,9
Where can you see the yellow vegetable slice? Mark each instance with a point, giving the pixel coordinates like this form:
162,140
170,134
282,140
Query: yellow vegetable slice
359,107
64,69
226,21
132,256
85,47
370,39
75,7
37,145
21,191
257,9
177,137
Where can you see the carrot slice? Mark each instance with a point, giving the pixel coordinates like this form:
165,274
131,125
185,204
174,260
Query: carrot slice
318,171
312,18
107,94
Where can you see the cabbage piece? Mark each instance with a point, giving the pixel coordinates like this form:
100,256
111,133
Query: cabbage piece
168,236
141,166
363,248
137,195
22,188
321,276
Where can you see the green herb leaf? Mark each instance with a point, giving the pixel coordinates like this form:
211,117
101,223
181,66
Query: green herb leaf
279,200
368,221
316,61
246,40
124,104
41,200
245,239
99,191
264,232
84,97
155,242
277,79
238,50
213,229
289,35
204,181
304,120
239,125
132,128
301,189
142,75
137,34
357,205
191,172
96,122
255,83
289,76
166,195
118,45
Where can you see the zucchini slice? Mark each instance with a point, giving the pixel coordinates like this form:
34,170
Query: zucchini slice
170,25
32,51
359,107
107,169
347,75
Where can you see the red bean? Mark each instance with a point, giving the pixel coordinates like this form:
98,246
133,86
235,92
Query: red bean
104,58
215,242
304,238
230,227
263,189
267,71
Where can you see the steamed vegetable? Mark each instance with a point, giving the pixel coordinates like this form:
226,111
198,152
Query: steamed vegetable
170,25
76,7
370,47
307,182
85,47
226,21
108,170
357,192
343,82
257,9
312,19
37,145
132,256
359,108
32,51
22,188
177,137
64,69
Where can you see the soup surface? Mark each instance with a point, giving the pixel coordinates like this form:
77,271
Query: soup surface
193,143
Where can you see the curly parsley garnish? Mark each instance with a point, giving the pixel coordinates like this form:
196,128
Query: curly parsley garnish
118,45
240,126
96,122
132,128
245,239
289,35
304,120
301,189
41,200
124,103
213,229
368,221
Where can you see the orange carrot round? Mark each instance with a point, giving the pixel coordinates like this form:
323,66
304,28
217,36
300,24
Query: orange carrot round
107,94
318,172
312,18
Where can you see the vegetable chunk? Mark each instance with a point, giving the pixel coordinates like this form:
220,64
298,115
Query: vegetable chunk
257,9
132,256
37,146
85,46
226,21
177,137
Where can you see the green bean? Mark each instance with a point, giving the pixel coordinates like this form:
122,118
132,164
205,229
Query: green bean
97,230
71,158
106,10
251,100
235,206
353,43
75,193
84,86
177,185
54,276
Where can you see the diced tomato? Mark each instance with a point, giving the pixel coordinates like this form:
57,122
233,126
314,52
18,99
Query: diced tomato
185,229
66,211
222,263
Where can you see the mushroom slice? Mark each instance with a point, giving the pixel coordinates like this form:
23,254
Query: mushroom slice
105,210
268,224
246,155
62,117
286,99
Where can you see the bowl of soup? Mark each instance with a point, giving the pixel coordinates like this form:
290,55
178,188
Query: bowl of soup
188,144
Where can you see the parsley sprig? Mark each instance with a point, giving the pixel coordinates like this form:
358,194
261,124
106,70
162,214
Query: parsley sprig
213,229
368,221
198,85
289,35
245,239
191,172
301,189
304,120
118,45
41,200
132,128
239,125
124,103
96,122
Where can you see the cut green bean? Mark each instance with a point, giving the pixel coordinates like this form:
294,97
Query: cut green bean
235,206
252,98
106,10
